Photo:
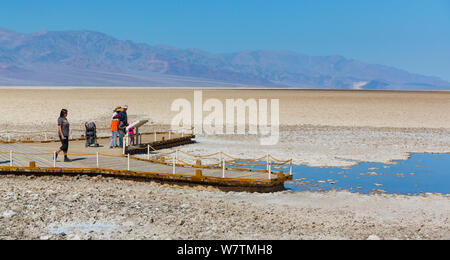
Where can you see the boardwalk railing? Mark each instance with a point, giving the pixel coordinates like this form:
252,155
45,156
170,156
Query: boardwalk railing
219,160
240,182
12,136
266,164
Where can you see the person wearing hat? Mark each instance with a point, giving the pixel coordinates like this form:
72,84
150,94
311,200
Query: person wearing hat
63,132
115,127
123,123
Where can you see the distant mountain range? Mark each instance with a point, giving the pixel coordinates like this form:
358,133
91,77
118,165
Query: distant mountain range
86,58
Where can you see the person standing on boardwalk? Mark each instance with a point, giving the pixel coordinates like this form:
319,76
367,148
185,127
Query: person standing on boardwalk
131,134
63,132
123,117
114,127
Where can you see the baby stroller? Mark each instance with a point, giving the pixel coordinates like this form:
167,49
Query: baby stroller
91,134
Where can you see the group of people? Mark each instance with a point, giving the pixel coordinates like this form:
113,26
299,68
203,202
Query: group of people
119,124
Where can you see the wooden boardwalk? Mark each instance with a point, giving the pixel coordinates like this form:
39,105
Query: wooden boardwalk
88,160
120,163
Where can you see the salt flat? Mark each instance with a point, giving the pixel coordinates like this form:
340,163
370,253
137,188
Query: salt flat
39,106
105,208
318,128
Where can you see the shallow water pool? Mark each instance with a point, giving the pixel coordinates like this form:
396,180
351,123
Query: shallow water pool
421,173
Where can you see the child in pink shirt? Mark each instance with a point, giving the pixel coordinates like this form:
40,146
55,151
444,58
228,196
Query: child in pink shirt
131,134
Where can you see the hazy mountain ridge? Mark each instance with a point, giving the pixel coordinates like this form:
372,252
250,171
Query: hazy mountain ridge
92,58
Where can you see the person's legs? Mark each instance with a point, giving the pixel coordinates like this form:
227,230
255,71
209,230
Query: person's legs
64,148
113,139
115,133
60,148
121,135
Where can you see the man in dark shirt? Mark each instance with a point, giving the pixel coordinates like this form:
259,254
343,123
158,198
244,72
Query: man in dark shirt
123,118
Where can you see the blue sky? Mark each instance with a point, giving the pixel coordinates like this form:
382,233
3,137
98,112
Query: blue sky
408,34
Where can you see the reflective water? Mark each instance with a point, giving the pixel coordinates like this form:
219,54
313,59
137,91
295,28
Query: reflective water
421,173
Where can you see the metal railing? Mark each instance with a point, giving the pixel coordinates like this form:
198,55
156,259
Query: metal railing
233,163
242,164
52,136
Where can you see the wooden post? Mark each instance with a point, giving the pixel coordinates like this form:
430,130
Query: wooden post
32,164
148,152
198,172
170,132
11,158
155,135
54,159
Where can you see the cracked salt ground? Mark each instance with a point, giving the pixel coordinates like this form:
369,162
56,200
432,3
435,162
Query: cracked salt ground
108,208
325,146
72,230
